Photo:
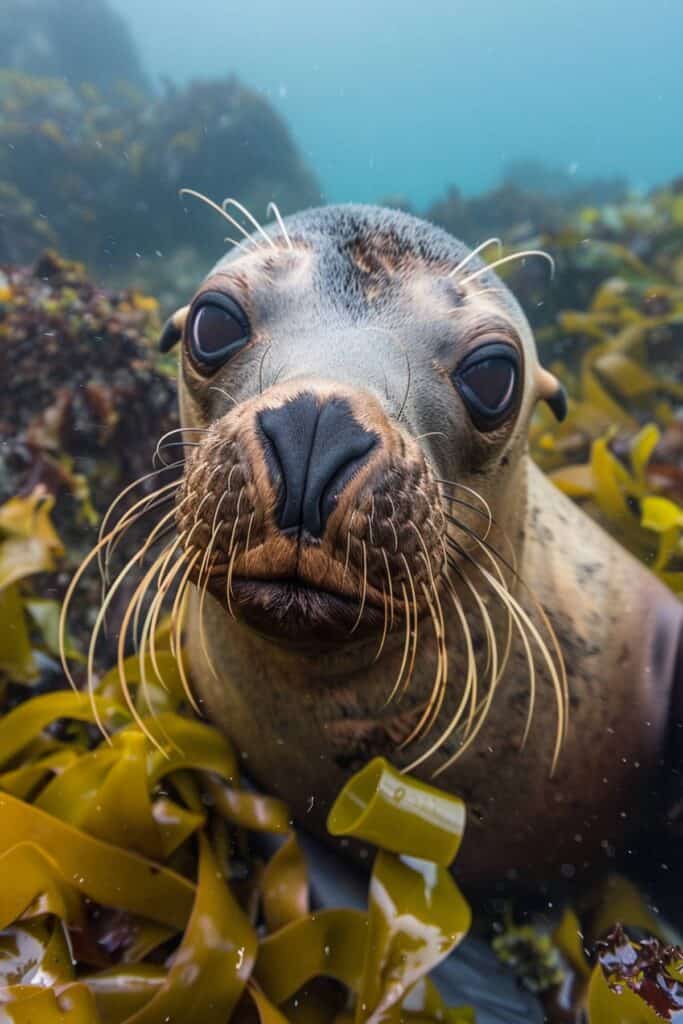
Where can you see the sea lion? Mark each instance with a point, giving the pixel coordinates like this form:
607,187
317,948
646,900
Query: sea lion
376,566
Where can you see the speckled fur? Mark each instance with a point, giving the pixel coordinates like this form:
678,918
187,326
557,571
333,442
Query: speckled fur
364,307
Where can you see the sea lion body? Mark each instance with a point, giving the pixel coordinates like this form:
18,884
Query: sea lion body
314,599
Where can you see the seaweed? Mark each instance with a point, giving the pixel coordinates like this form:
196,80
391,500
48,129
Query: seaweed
127,902
84,398
137,891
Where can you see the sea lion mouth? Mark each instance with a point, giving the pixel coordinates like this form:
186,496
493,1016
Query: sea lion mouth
299,615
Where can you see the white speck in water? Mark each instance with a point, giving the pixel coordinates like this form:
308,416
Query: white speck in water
309,806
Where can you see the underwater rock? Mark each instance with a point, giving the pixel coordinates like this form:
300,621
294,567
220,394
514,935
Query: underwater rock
79,40
530,199
105,176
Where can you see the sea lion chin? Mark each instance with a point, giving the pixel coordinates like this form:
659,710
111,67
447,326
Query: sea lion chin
375,566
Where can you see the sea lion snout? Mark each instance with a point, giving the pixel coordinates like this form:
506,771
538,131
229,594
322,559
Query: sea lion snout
312,449
311,514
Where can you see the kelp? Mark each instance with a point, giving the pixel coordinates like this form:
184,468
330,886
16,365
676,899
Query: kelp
619,453
85,829
128,891
131,888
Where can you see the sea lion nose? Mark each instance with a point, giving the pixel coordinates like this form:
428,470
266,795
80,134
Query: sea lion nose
313,448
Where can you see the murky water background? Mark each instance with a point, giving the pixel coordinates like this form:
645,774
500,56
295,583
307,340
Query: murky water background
394,98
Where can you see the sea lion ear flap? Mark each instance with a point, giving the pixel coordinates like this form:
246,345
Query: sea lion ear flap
553,392
173,329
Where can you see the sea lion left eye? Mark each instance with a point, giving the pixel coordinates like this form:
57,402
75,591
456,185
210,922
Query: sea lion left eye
487,381
218,330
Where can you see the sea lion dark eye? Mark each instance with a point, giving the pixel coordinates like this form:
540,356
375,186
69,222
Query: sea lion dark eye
218,329
487,381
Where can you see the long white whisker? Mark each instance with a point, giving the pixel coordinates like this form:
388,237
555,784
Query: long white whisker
250,217
219,209
272,207
508,259
475,252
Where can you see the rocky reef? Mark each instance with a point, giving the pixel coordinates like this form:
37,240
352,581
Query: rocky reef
77,40
99,175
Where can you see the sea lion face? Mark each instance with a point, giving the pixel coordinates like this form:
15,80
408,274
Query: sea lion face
347,384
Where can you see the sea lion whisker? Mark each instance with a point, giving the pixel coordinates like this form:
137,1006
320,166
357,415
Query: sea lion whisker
406,647
475,295
524,625
262,360
415,631
491,665
540,610
281,224
164,582
426,719
216,526
430,433
439,627
475,252
140,508
559,679
247,552
177,616
370,519
556,679
228,487
90,664
133,604
114,542
452,500
170,433
228,585
250,217
473,493
122,494
364,590
236,519
175,444
385,604
524,254
135,631
224,393
348,544
202,626
481,541
496,569
221,212
466,695
391,589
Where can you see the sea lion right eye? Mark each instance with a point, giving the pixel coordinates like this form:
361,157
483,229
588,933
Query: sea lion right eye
218,329
488,380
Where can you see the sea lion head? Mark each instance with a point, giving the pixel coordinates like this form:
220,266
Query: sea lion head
347,379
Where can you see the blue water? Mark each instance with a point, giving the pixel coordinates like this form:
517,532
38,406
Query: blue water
388,98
